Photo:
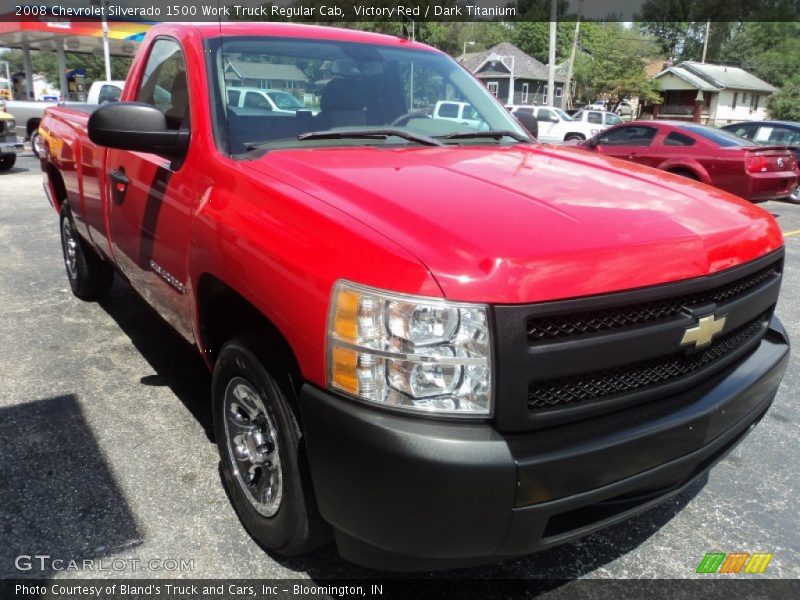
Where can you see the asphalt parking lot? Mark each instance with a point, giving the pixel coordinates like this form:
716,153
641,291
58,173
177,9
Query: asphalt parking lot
106,447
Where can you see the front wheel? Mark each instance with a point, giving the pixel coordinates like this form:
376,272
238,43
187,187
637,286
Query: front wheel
90,277
259,442
7,161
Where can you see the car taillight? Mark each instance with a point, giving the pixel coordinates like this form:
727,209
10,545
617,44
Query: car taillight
756,164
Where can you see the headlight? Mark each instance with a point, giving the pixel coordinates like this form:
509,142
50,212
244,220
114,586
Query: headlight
409,352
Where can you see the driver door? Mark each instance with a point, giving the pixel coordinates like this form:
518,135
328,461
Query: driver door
549,125
151,198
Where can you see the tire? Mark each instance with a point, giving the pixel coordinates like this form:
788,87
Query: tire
574,137
7,161
90,277
259,441
36,144
686,174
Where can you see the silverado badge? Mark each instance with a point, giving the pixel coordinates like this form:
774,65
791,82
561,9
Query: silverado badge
701,334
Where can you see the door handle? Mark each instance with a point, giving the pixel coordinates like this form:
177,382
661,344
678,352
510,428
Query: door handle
120,185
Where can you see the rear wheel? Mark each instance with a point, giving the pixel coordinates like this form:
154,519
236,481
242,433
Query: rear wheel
259,442
36,144
571,137
90,277
7,161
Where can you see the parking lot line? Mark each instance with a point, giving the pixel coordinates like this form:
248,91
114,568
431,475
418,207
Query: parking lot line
791,233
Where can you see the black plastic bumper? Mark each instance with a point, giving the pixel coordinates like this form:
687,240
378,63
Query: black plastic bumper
409,493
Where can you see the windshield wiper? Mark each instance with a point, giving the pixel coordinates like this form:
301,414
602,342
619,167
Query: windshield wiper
378,133
485,134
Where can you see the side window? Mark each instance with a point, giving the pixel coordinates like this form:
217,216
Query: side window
545,114
256,100
595,117
678,139
164,82
448,111
109,93
470,113
233,97
629,136
611,119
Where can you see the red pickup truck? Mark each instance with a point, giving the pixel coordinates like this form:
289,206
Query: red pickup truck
442,342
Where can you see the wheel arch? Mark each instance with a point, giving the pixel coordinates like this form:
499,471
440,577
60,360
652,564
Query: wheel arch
223,314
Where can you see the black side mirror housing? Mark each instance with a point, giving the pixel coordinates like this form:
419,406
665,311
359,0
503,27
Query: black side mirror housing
593,142
137,127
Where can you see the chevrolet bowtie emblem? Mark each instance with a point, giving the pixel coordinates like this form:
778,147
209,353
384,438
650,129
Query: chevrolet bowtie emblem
705,330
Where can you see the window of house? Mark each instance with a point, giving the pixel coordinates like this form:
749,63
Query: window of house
559,91
524,93
678,139
735,97
494,88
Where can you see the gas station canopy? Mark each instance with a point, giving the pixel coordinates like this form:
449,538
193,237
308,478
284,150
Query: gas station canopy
83,37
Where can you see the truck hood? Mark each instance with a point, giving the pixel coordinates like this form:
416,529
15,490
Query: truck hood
532,223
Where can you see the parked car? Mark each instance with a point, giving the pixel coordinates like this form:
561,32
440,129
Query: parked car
771,133
556,126
459,112
444,345
597,120
278,101
526,115
703,153
101,92
624,109
10,146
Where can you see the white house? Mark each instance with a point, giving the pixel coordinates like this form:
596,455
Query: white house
729,94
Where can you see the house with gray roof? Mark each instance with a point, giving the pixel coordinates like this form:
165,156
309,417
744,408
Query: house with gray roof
728,94
264,75
504,68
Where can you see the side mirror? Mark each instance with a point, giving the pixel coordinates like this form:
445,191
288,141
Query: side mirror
554,119
593,142
137,127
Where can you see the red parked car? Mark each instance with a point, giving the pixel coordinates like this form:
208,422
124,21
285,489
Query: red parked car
703,153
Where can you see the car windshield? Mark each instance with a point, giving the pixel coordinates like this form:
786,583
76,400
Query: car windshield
324,85
564,116
718,136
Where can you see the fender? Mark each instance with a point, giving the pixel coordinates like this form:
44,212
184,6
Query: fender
687,164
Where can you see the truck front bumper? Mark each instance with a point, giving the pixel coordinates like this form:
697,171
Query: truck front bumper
8,146
406,493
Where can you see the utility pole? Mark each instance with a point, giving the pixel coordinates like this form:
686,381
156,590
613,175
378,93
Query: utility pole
705,42
551,71
568,82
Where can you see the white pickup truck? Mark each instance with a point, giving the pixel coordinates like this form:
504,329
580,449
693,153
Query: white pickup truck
557,126
28,113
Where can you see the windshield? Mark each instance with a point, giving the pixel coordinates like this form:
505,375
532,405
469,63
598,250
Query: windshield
564,116
323,85
285,100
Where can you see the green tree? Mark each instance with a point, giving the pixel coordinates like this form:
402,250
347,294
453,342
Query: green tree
769,50
46,64
785,104
613,60
533,37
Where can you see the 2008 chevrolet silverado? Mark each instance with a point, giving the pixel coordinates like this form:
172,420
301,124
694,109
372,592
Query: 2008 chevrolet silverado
442,341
